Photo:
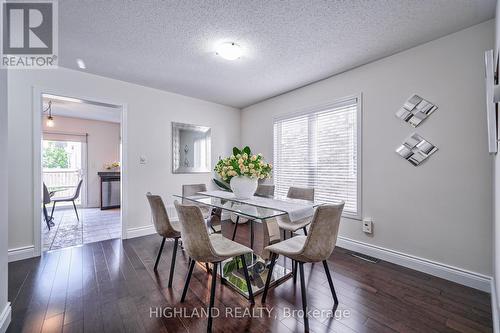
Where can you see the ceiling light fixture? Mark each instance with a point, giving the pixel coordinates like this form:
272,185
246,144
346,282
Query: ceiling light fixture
50,119
229,51
81,63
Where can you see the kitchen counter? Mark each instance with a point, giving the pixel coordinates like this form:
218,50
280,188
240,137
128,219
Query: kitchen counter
110,189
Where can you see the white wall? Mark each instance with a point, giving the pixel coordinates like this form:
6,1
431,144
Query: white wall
442,210
496,204
4,306
149,116
103,147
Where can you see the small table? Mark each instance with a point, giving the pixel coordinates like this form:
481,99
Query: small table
255,210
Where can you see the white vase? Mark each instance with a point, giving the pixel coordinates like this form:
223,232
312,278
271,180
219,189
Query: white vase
243,187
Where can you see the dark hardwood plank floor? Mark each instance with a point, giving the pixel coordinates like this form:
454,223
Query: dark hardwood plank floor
110,286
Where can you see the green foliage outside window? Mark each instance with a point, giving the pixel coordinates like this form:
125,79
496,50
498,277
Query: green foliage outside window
55,156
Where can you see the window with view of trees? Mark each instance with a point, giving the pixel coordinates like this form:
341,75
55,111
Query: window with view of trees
320,149
55,155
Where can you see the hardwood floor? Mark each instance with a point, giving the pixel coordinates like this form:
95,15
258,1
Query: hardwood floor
110,286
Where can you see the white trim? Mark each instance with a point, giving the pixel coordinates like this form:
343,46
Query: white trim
37,170
451,273
141,231
5,317
494,307
150,228
21,253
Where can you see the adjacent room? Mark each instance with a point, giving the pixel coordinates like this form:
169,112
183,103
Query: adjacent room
80,172
250,166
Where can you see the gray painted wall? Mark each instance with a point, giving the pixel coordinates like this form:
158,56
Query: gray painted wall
442,210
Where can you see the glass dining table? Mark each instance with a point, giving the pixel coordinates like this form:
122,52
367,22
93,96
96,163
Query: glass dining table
260,210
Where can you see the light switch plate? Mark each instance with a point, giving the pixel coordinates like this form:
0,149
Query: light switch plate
142,160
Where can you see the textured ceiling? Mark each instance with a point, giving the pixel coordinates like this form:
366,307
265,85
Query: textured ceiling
170,44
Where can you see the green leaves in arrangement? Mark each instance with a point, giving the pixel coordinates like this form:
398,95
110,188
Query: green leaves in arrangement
243,163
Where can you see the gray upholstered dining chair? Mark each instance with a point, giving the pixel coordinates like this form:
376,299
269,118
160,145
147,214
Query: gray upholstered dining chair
166,229
211,216
263,190
202,247
315,247
284,221
193,189
72,199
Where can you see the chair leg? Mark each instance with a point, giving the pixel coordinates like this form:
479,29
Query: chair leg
330,282
304,298
188,278
76,211
305,231
172,263
294,271
235,227
212,297
46,216
269,274
206,267
159,254
52,212
247,279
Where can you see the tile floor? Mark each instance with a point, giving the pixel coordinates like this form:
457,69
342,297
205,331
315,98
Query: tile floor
94,225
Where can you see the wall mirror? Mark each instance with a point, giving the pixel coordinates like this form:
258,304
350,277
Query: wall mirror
191,148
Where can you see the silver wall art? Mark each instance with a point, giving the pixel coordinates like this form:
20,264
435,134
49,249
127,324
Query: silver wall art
416,149
415,110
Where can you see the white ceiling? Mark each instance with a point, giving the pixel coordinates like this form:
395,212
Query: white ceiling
83,110
170,44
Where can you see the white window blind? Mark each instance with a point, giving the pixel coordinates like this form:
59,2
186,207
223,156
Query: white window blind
320,149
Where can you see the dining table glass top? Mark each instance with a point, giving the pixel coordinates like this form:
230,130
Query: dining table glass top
258,208
247,210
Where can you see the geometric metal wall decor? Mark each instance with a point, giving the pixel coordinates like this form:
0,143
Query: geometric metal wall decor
416,149
415,110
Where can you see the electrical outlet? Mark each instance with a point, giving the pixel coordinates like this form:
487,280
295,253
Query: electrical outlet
367,225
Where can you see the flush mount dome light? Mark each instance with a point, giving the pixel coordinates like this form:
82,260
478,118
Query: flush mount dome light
229,51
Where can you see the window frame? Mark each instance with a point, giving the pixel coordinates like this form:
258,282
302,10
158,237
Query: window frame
359,138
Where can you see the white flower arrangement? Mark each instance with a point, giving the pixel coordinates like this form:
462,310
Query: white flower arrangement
243,163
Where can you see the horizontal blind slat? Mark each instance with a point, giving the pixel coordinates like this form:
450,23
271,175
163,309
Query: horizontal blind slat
319,149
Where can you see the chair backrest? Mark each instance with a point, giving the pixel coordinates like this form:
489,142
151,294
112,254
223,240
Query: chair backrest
160,217
192,189
194,233
46,195
304,193
78,189
265,190
323,232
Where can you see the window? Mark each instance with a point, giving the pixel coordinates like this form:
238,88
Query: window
320,149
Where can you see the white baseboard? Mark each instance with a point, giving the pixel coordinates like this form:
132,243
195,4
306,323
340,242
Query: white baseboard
494,307
455,274
141,231
5,318
21,253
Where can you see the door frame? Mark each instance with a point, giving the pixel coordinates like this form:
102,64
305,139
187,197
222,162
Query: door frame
37,105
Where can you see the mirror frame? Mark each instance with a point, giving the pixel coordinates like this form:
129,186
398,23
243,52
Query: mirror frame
176,146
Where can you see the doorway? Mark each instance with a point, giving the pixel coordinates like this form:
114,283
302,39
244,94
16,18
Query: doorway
79,140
